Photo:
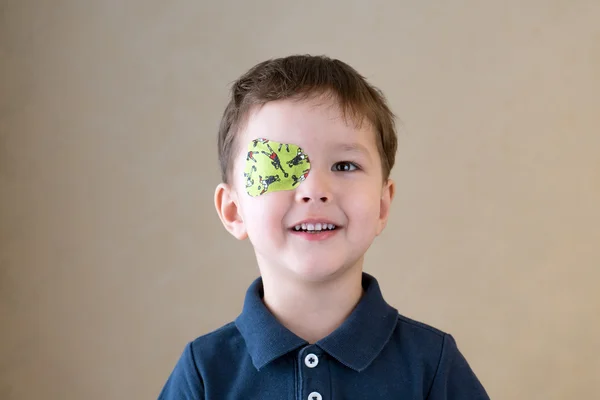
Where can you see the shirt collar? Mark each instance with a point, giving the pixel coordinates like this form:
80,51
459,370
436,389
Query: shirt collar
356,343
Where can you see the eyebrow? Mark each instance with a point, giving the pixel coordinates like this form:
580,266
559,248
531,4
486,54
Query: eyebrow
354,148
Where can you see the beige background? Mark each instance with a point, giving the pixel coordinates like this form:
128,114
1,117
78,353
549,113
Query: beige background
112,257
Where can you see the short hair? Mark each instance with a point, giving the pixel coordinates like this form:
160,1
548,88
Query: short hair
302,77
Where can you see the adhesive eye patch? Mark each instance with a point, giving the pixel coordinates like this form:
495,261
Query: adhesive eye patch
273,166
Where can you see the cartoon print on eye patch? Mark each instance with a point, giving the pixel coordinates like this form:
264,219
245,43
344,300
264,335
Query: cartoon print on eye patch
267,182
287,147
274,159
259,140
298,179
250,156
248,176
264,172
301,156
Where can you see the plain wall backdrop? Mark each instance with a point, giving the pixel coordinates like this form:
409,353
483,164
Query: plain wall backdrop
112,257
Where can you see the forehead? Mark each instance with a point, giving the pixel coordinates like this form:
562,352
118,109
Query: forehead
312,124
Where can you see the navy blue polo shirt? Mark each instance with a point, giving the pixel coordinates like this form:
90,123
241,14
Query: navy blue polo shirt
375,354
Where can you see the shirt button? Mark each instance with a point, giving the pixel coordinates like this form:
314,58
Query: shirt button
311,361
315,396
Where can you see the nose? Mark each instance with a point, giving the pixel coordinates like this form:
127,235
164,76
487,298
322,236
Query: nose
315,188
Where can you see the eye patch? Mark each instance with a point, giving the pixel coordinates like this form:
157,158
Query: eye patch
273,166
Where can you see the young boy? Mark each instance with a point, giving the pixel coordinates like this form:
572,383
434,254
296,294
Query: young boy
306,146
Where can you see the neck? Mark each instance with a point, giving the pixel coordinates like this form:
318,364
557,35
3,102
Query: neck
312,310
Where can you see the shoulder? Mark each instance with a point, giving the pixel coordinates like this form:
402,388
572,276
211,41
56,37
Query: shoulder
425,339
417,344
420,327
220,343
447,371
186,380
419,335
216,348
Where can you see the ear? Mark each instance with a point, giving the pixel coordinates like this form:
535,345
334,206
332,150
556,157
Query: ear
227,205
387,195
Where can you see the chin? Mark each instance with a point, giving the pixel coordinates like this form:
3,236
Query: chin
319,270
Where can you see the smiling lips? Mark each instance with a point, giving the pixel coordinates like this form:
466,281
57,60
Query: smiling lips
314,230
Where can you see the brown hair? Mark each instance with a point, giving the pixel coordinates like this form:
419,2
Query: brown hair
301,77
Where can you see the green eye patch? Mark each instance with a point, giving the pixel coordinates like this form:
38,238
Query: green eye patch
273,166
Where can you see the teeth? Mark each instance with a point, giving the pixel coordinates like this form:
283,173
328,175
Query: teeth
314,227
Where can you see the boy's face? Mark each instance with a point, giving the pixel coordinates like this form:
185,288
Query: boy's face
344,187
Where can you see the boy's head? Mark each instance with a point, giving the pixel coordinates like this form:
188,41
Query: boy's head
316,132
300,78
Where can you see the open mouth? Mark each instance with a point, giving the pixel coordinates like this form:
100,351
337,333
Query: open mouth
314,228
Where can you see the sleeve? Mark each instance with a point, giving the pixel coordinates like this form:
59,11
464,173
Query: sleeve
185,382
454,379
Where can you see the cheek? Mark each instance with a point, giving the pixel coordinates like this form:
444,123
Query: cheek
263,215
364,207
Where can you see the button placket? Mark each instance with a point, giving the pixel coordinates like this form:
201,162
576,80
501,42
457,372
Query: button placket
314,374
